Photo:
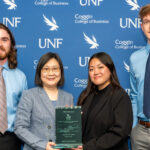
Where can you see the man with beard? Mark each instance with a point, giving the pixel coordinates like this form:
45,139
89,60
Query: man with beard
12,83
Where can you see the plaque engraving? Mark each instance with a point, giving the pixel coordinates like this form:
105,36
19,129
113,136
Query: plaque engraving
68,127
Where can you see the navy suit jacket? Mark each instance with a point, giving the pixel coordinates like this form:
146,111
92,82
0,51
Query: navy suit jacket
35,118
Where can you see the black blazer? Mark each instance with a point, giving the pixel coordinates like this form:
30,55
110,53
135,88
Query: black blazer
109,123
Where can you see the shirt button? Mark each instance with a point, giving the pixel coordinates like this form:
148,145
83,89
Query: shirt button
49,127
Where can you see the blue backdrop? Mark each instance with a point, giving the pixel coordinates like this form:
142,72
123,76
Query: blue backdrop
75,29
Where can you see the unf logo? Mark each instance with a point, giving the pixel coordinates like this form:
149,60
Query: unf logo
128,23
83,62
48,43
90,2
13,22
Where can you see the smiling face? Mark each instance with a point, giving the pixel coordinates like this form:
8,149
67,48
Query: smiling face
51,73
146,26
5,45
99,73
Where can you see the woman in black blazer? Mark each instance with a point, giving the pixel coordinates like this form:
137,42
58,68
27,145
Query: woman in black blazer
106,108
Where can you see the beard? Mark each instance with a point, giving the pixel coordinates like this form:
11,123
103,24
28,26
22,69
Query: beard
3,53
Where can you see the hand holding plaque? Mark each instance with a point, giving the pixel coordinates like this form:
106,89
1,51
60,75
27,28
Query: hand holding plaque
68,127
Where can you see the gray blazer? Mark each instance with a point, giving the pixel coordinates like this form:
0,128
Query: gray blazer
35,118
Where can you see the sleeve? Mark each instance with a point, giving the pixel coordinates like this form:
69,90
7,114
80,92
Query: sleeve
22,123
25,85
22,81
71,101
133,94
120,129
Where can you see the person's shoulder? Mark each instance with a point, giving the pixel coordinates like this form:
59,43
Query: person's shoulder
122,90
138,53
31,90
66,93
18,72
30,96
120,95
119,92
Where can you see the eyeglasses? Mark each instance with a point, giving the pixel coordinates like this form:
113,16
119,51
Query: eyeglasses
146,22
53,69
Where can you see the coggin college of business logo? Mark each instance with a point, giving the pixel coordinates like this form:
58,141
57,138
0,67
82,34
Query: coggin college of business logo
126,44
80,83
11,4
88,19
51,3
48,42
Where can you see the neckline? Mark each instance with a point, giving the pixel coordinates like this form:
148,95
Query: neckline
104,89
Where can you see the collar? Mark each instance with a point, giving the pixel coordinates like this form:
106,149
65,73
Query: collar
148,48
5,66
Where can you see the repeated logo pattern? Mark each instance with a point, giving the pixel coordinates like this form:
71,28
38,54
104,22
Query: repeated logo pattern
134,4
52,24
92,41
75,29
11,4
126,66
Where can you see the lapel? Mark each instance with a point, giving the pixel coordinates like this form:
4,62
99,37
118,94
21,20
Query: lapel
61,99
97,109
85,108
46,101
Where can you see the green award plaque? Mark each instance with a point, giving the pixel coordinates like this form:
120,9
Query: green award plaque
68,127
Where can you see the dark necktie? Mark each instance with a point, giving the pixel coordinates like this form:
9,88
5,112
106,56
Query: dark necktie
3,105
146,101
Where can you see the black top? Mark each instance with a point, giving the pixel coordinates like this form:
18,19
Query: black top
97,97
106,120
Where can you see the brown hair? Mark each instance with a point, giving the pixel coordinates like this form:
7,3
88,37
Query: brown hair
144,11
43,60
91,87
12,56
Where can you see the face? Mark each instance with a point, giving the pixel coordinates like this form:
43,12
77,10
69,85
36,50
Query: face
146,27
99,73
5,45
51,73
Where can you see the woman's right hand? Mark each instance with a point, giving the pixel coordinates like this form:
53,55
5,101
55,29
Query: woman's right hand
78,148
49,146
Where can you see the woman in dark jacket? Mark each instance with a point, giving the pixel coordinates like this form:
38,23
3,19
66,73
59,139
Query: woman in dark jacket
106,108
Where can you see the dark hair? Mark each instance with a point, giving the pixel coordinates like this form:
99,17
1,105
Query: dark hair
91,87
43,60
12,56
144,11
